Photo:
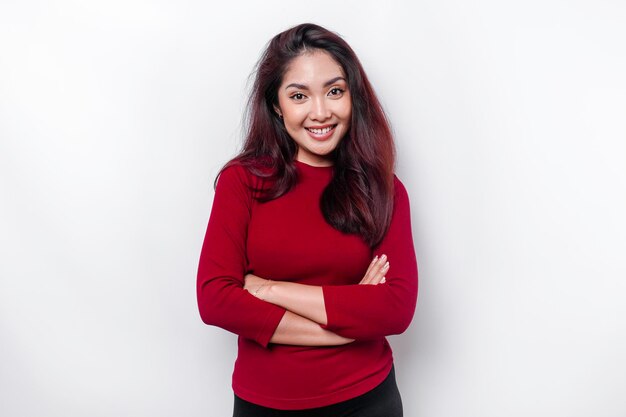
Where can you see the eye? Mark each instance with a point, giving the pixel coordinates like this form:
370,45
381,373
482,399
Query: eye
297,96
336,91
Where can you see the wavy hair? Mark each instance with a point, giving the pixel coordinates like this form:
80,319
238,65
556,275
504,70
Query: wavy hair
359,198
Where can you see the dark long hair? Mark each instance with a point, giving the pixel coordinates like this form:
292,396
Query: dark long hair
359,198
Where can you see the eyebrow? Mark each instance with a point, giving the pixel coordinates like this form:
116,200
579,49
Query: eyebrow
305,87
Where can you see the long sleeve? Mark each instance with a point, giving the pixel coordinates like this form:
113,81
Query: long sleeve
222,301
371,311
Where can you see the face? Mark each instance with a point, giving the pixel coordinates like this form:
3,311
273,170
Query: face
316,106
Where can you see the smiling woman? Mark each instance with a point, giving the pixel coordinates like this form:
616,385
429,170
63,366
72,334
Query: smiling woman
315,103
308,255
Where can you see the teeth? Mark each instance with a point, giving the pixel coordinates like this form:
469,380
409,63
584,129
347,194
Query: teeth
321,131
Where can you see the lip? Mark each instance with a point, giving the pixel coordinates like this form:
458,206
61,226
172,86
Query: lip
322,126
325,135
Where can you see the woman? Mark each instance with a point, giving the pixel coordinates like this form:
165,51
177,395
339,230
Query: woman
308,254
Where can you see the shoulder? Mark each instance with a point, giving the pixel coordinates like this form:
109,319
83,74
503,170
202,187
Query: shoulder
248,177
233,173
400,192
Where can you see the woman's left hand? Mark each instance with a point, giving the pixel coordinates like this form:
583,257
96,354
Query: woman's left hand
255,285
375,274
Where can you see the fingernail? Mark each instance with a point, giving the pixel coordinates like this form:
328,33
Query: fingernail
386,265
375,258
383,257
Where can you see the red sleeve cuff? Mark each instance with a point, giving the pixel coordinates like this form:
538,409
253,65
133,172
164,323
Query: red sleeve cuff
269,326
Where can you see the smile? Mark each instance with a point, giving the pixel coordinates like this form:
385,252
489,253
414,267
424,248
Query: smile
321,133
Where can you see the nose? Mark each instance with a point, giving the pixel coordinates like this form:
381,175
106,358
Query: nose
319,109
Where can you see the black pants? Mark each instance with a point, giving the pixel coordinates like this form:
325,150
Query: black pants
382,401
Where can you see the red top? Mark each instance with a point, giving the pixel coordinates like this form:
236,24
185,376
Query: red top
288,239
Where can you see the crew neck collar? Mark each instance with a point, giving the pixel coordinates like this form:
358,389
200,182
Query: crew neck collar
314,171
313,166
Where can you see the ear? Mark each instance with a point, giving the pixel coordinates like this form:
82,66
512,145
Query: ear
278,112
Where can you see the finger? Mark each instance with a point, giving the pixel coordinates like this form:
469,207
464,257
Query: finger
369,269
380,275
372,277
377,270
371,265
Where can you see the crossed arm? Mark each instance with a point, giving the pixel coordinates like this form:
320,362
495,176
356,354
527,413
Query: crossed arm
306,312
265,311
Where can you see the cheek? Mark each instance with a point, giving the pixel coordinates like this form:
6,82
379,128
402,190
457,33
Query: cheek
294,115
347,118
293,122
346,113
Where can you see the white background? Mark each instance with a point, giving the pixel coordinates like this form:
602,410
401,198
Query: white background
510,124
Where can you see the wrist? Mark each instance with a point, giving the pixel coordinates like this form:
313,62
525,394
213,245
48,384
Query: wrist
269,291
261,291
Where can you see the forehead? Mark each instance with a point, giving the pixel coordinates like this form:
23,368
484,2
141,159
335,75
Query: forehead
312,68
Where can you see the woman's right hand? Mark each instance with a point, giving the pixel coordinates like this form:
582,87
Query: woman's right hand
375,273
